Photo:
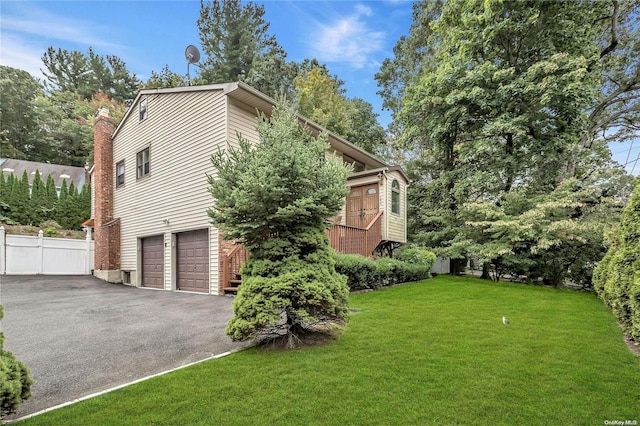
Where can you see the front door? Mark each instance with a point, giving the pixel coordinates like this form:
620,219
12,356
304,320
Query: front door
362,205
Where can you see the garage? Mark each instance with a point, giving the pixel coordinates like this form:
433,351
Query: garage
153,261
193,260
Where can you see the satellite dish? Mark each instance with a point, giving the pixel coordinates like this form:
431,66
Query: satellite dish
192,55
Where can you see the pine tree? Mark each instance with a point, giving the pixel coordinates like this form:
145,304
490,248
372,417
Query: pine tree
19,201
62,206
51,197
37,200
275,198
617,277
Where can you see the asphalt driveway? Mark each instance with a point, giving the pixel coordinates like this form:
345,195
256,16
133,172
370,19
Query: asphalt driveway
80,335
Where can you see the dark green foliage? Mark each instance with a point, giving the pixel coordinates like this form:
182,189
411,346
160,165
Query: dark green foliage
293,296
51,198
15,383
495,101
19,201
87,74
275,197
365,273
416,255
37,200
62,205
617,277
238,47
20,136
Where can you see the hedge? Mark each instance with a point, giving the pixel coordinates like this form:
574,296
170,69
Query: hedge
616,280
365,273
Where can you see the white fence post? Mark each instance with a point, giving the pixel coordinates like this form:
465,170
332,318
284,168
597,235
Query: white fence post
3,252
87,263
40,267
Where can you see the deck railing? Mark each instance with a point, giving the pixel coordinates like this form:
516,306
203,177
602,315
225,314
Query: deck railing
343,238
231,264
352,240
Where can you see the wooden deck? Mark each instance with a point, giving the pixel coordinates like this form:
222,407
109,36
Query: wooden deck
343,239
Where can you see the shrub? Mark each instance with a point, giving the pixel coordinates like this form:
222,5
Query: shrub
617,277
15,383
364,273
50,232
417,255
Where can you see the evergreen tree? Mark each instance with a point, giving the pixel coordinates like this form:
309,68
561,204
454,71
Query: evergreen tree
4,199
85,75
275,198
37,200
51,197
15,386
19,201
617,277
237,46
62,206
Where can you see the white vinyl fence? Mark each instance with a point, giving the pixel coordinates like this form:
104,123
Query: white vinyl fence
31,255
441,266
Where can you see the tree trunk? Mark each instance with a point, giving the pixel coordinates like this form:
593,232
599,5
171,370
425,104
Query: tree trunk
486,275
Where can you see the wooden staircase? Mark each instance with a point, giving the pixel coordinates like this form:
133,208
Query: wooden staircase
231,264
343,239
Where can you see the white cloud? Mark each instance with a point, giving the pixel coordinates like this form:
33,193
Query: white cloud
27,31
34,22
19,53
348,39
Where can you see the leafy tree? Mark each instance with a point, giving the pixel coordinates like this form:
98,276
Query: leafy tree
15,382
69,124
237,45
19,117
617,277
275,197
494,101
321,98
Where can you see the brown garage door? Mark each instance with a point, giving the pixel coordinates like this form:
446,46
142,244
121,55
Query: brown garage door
153,262
193,260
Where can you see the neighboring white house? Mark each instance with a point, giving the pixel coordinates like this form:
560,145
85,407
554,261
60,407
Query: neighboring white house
151,192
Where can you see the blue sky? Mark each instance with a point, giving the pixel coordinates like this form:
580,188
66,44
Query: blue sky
351,37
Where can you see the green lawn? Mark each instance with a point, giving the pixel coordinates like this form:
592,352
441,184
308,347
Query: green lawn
431,352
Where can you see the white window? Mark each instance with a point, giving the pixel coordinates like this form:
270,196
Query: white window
142,163
395,197
120,174
143,108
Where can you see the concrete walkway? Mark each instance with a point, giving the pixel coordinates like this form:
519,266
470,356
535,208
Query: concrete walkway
80,335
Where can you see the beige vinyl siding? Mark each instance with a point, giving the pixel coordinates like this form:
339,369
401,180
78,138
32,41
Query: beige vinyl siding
396,224
243,120
182,130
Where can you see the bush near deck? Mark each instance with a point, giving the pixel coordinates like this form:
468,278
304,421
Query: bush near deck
413,264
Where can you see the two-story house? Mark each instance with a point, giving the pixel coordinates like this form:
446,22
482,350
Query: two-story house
150,190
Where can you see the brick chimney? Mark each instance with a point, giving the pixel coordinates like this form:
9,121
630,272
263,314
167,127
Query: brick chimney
107,228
